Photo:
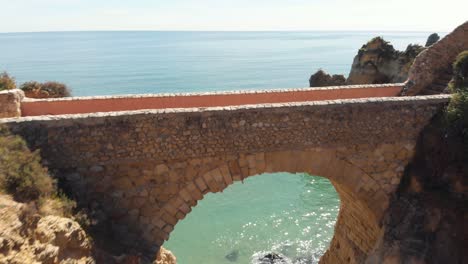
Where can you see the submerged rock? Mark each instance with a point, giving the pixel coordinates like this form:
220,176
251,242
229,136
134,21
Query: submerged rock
272,258
233,256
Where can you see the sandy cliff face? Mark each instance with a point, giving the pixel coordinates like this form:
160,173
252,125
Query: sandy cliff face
376,62
431,66
165,257
26,237
379,62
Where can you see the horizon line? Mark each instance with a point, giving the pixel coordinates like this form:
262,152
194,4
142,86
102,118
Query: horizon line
189,30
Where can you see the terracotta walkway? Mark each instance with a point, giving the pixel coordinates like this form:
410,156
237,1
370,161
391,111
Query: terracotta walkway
79,105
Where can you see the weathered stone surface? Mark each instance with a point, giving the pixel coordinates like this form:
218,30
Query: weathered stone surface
426,220
10,103
435,60
165,257
378,62
26,237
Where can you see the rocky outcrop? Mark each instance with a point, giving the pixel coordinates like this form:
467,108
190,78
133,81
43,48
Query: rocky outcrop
26,237
165,257
426,220
436,61
379,62
376,62
433,38
320,79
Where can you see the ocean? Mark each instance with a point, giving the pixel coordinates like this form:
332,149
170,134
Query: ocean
289,214
109,63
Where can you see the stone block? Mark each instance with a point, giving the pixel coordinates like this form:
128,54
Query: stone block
10,103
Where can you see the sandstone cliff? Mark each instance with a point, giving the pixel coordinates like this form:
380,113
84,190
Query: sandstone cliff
379,62
376,62
432,68
28,237
165,257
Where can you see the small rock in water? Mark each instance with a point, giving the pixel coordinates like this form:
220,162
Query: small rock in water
233,256
272,258
303,260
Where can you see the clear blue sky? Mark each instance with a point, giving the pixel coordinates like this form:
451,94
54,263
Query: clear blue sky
64,15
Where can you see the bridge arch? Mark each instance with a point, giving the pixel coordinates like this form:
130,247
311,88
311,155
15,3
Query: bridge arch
363,199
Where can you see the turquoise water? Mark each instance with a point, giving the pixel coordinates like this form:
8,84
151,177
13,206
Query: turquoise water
107,63
288,214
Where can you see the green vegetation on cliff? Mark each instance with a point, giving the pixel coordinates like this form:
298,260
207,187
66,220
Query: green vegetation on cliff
23,177
45,90
6,82
35,89
457,111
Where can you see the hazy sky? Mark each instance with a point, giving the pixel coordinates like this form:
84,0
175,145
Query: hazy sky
63,15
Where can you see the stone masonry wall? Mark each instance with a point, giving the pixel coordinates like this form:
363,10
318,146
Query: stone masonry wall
10,101
146,169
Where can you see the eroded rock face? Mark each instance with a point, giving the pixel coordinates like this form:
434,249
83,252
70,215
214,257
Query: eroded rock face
165,257
436,60
26,237
427,217
376,62
320,79
379,62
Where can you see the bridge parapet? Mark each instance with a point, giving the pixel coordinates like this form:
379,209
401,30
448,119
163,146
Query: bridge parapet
10,103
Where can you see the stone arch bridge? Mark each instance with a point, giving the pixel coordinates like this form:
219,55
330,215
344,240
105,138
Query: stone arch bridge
147,160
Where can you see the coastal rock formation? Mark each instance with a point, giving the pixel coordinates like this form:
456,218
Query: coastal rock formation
379,62
321,78
26,237
426,220
165,257
376,62
433,38
435,63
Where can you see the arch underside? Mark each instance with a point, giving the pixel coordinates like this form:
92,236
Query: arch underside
146,199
